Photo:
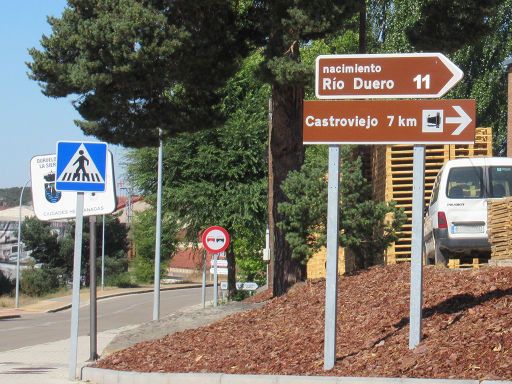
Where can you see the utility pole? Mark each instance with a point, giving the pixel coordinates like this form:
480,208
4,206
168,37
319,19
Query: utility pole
93,318
507,64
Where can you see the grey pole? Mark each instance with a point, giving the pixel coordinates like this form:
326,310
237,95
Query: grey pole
418,202
267,249
103,255
75,302
93,356
203,285
215,280
17,301
331,279
156,289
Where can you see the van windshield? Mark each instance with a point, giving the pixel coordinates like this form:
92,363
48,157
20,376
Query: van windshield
465,183
500,181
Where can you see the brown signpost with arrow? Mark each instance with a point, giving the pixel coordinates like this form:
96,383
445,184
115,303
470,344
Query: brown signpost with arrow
418,122
397,75
389,122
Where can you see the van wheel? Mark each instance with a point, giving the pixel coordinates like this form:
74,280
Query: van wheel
426,260
439,257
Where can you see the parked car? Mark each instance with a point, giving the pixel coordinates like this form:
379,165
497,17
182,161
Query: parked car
456,216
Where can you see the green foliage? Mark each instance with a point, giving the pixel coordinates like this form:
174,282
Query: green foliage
40,281
139,65
240,295
11,196
144,238
6,284
57,252
283,27
143,269
305,212
450,25
366,227
120,280
42,240
212,177
247,248
114,265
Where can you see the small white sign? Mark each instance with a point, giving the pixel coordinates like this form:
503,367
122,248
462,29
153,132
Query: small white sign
248,286
220,263
220,271
50,204
432,120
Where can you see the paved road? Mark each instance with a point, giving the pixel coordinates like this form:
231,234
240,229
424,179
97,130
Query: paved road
33,329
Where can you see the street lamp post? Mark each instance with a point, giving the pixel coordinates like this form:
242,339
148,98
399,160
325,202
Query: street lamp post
156,291
17,301
507,65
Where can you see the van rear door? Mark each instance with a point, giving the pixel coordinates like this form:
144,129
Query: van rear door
466,205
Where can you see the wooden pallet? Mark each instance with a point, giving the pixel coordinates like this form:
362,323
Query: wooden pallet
474,262
499,228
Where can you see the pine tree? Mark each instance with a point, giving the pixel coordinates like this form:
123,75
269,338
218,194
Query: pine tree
142,65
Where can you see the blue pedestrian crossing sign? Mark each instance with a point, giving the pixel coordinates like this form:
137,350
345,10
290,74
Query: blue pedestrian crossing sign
81,166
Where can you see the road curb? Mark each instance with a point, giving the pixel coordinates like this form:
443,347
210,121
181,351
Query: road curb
6,317
67,306
106,376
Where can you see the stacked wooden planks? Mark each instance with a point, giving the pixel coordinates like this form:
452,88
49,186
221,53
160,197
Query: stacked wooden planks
499,229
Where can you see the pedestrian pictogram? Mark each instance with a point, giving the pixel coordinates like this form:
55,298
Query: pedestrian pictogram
81,166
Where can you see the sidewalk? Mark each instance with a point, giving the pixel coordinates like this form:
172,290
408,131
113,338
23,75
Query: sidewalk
64,302
48,363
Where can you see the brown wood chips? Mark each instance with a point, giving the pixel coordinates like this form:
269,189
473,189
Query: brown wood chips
467,331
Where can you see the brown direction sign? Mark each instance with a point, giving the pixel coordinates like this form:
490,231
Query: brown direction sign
389,122
397,75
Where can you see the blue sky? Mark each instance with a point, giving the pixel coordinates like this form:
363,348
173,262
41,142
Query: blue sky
30,123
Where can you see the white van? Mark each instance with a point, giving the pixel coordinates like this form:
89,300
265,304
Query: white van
456,217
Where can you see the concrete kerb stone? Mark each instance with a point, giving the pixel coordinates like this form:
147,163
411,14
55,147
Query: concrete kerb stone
118,294
7,317
107,296
107,376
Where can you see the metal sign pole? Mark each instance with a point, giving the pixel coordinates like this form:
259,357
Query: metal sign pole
203,285
93,356
331,279
75,303
17,301
156,289
215,280
418,202
103,255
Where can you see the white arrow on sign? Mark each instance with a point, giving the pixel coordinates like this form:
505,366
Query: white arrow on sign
463,120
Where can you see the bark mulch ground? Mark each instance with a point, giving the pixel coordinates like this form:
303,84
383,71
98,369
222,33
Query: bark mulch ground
467,331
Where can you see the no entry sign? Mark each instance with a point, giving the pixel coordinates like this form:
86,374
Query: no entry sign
389,122
397,75
215,239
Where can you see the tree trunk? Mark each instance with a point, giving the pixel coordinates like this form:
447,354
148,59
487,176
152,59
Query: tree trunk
286,153
230,257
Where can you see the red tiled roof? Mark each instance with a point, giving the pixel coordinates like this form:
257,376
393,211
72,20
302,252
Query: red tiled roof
123,200
188,259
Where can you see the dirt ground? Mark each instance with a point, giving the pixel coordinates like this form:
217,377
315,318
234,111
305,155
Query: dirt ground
467,331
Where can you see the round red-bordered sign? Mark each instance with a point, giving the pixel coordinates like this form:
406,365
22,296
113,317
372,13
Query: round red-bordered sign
215,239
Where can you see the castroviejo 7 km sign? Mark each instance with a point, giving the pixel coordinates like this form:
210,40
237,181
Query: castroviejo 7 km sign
389,122
397,75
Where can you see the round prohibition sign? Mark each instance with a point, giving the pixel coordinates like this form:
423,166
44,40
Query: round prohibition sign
215,239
